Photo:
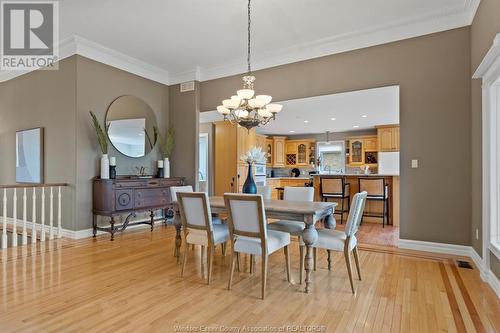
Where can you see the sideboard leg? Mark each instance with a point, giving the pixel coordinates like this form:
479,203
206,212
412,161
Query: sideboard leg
112,229
152,215
94,226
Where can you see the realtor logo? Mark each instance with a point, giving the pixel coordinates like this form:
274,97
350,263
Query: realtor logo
29,35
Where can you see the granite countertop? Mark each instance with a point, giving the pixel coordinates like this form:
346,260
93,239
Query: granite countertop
299,178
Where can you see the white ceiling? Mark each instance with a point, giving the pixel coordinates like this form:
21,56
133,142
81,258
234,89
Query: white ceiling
205,39
379,105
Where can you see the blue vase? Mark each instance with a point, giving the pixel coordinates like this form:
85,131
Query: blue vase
249,186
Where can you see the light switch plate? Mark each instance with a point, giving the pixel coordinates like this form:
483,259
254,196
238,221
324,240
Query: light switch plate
414,164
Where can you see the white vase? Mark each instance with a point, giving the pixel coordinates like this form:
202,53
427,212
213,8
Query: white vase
166,168
104,166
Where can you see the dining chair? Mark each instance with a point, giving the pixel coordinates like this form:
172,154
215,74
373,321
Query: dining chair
294,228
175,190
248,233
336,240
265,191
199,228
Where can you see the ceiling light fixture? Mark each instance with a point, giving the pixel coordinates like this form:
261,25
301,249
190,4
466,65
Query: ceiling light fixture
333,118
306,121
355,126
244,108
364,116
292,131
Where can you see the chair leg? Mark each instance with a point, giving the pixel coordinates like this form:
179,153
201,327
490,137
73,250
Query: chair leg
192,247
223,247
184,257
301,269
210,260
201,259
349,268
356,260
383,215
388,212
264,275
231,270
252,267
329,259
315,250
342,211
238,261
287,262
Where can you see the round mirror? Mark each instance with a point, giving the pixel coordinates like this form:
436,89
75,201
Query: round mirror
130,120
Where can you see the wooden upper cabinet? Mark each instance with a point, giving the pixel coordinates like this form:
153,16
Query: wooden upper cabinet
260,141
269,149
356,152
279,152
371,143
388,138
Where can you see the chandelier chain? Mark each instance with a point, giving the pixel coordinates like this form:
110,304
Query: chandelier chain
248,48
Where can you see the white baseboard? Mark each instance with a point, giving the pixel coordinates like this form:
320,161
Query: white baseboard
459,250
66,233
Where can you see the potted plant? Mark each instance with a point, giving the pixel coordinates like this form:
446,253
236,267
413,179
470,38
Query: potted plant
103,143
166,145
254,155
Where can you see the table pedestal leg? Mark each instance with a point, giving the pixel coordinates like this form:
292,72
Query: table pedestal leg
178,239
330,222
310,236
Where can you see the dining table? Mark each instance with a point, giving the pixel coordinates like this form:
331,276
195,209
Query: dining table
309,212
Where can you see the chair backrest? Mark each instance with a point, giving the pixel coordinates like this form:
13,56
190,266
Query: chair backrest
293,193
177,189
246,215
373,186
332,185
265,191
355,213
195,211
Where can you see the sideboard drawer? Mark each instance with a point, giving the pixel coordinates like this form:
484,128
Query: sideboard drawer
151,197
124,199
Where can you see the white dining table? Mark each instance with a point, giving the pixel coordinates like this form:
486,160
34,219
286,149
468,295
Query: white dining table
309,212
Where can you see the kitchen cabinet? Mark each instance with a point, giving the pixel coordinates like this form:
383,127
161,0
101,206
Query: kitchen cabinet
388,138
260,141
356,151
297,153
278,151
371,143
269,150
230,143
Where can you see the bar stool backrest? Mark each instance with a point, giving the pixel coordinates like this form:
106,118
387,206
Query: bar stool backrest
332,185
375,187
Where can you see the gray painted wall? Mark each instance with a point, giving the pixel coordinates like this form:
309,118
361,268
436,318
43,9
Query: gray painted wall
484,28
433,72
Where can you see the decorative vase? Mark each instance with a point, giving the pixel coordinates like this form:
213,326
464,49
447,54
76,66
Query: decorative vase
166,168
104,166
249,185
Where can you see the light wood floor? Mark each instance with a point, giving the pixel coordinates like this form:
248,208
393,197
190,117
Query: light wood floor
374,234
133,285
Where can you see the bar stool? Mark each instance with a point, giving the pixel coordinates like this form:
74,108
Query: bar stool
336,188
378,190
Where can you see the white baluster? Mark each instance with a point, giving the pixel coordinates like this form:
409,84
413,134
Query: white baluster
42,230
4,225
59,209
25,233
33,226
51,214
14,217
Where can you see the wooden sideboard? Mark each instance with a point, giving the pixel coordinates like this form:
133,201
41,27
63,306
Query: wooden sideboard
129,195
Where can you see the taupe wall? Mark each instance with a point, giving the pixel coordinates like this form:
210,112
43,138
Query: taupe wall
433,72
484,28
184,116
97,86
42,99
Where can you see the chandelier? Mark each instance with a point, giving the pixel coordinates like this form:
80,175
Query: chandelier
245,108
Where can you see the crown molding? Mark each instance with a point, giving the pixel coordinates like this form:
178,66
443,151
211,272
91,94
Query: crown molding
76,45
456,17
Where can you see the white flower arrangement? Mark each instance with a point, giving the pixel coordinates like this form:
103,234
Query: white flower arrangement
254,155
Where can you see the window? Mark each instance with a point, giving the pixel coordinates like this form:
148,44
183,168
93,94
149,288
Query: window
332,156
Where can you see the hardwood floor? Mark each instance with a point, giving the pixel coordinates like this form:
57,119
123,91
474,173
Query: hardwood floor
133,285
373,233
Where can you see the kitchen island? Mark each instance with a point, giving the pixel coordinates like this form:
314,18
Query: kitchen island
280,182
371,206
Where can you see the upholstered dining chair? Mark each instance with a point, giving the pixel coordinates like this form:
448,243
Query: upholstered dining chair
265,191
345,241
198,227
248,233
294,228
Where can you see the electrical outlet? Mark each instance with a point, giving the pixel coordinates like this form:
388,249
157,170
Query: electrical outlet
477,234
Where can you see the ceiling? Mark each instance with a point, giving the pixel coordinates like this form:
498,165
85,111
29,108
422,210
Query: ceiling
205,39
314,114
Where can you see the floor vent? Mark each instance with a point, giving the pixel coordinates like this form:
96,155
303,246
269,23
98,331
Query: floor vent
464,264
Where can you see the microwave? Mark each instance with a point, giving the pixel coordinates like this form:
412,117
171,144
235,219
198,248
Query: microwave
259,169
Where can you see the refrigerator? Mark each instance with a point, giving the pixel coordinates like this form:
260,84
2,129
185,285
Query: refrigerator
388,163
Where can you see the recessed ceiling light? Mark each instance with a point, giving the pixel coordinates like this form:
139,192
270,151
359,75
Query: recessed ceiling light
292,131
355,126
306,121
333,118
364,116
